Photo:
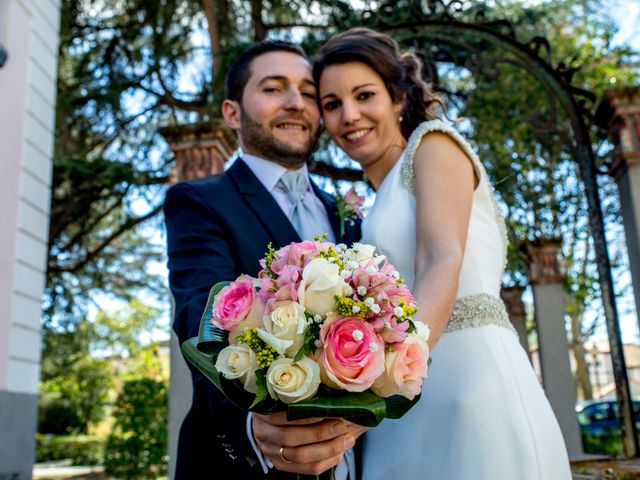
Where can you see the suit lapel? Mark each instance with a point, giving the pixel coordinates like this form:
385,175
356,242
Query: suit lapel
265,208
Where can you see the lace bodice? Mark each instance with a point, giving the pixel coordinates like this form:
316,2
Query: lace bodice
391,225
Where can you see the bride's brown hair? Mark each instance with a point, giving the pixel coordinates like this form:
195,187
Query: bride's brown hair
400,72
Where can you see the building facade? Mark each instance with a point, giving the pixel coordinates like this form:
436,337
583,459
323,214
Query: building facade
29,32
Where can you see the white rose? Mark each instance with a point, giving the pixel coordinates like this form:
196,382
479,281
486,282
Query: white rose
284,328
291,382
361,253
321,282
422,330
238,362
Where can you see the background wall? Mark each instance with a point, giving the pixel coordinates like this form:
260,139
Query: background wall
29,34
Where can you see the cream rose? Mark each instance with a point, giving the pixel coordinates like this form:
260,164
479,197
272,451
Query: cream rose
238,362
321,282
422,330
284,328
406,365
361,253
292,382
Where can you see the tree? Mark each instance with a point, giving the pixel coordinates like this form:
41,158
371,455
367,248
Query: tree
125,69
80,367
137,447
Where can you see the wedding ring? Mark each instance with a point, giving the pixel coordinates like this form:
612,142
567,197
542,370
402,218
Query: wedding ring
282,456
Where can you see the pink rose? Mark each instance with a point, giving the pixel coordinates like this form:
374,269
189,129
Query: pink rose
405,368
295,254
352,355
237,306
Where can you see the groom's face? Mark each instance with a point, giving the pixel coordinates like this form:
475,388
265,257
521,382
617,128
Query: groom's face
278,115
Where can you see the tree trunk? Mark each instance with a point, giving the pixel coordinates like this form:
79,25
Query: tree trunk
259,30
580,355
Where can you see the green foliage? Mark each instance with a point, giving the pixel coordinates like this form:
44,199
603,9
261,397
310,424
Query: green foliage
75,396
81,449
123,67
76,384
137,447
606,444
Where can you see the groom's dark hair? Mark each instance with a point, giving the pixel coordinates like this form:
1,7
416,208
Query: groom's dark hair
240,71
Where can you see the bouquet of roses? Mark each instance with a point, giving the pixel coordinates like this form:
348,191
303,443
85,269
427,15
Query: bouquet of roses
324,331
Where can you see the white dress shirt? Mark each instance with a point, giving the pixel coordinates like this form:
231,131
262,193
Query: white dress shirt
269,174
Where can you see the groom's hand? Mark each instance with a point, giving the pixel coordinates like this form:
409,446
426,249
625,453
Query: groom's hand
310,446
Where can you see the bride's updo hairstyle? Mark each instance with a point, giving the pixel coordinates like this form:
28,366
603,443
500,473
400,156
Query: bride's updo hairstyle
400,72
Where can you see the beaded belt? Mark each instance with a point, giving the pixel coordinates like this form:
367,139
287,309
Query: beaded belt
477,311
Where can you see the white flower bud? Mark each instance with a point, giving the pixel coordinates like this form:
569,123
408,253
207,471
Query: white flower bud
362,290
357,335
369,302
355,309
371,270
398,311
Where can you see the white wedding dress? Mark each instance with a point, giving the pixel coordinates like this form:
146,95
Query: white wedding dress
482,414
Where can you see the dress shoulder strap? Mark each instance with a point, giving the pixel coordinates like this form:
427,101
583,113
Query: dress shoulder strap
408,176
408,179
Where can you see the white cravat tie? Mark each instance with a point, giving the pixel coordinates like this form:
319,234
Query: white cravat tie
295,184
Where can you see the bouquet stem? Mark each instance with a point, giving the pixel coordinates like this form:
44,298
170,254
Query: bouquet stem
326,475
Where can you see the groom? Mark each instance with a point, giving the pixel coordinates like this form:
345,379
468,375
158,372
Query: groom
219,227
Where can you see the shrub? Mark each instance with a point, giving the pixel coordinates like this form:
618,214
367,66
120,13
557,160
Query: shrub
606,444
137,446
81,449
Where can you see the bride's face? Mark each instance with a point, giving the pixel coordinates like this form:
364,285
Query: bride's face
359,113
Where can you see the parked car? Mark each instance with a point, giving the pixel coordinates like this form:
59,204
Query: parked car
600,417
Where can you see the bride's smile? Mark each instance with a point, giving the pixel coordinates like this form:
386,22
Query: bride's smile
361,117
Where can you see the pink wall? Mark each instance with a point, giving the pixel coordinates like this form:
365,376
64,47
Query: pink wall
13,94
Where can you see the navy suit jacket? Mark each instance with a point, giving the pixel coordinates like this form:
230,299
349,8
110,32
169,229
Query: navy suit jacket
219,227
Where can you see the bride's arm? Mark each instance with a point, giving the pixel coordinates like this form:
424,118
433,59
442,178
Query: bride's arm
445,181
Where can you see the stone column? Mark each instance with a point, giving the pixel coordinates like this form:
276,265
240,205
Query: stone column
512,298
200,149
546,275
619,115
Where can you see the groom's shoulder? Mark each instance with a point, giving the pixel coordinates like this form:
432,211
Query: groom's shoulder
212,186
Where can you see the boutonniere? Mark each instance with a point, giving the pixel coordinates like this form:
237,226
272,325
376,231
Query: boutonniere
349,207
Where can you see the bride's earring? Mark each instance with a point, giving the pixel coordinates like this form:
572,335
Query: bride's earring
400,118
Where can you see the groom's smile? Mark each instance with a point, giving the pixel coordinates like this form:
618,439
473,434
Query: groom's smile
278,115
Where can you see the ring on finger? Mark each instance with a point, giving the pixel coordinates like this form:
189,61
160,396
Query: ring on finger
282,456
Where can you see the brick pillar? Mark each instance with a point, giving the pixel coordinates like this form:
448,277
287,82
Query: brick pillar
200,149
546,275
619,115
512,298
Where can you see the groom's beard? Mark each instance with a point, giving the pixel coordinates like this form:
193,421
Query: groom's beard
265,145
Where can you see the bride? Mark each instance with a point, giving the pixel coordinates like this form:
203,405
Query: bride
482,414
